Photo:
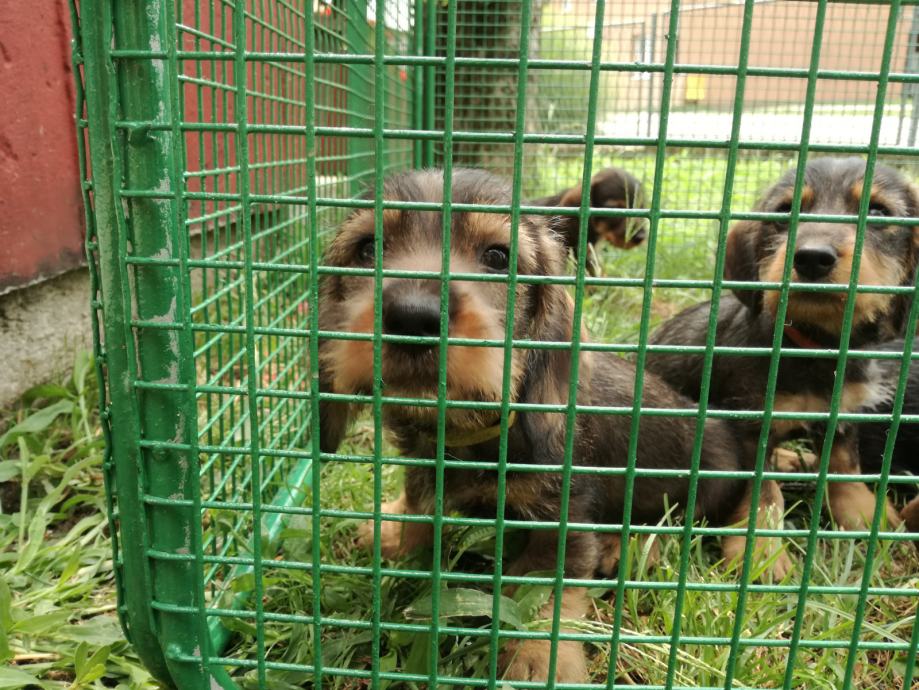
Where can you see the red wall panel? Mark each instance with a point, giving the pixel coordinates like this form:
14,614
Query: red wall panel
41,219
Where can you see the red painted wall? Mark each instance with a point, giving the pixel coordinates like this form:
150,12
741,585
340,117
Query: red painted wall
41,217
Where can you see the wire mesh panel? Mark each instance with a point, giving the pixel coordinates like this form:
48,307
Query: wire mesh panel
629,100
269,426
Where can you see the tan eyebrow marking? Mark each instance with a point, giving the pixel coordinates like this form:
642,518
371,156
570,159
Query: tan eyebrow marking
879,196
392,216
486,226
807,197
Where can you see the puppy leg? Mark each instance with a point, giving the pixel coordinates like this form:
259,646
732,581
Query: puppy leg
910,515
528,660
852,504
610,546
610,551
397,538
768,516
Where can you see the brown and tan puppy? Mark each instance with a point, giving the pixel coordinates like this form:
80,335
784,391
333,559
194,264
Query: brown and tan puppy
609,188
823,253
411,309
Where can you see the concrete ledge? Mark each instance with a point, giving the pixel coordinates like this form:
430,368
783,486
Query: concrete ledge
41,329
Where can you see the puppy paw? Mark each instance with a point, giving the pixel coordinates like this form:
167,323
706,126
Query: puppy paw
397,539
852,505
528,660
782,564
391,541
610,545
768,556
910,515
893,517
611,552
788,460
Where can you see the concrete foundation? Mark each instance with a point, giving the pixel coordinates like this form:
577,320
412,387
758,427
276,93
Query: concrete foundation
41,329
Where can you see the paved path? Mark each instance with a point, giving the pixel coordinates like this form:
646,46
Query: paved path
826,127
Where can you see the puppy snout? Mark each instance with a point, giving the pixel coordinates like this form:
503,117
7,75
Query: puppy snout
414,314
410,309
814,262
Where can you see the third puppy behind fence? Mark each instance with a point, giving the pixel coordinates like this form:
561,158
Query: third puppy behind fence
611,188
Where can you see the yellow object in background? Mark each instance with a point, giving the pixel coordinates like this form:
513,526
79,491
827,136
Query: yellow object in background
695,87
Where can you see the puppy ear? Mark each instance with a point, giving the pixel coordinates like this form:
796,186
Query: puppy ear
742,263
901,303
567,226
913,211
547,377
571,197
334,416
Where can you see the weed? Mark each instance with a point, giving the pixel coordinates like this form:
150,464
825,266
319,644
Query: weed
58,623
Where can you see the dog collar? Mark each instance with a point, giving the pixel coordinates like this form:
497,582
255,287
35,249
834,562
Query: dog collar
801,340
473,438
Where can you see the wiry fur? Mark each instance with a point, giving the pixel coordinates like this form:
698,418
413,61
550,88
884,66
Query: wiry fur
756,252
872,436
543,313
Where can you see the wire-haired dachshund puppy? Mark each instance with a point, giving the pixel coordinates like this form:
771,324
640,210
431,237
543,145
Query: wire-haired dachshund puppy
477,310
823,253
872,436
609,188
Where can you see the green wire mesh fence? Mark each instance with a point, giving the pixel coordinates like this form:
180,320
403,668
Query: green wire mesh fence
222,144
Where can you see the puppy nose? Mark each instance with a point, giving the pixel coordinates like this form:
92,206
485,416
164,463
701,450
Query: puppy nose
412,313
815,262
641,227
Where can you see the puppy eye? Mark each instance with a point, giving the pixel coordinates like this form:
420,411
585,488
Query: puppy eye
784,207
496,258
878,210
366,250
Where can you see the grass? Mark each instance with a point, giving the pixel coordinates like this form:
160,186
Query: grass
58,623
58,626
647,611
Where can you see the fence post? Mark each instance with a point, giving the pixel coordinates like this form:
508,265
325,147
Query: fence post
137,207
911,89
652,75
418,73
360,97
137,615
430,78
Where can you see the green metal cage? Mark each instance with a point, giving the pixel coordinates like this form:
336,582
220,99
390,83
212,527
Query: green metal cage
222,141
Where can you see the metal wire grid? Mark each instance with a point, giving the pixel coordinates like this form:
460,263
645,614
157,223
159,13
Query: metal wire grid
210,210
634,33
